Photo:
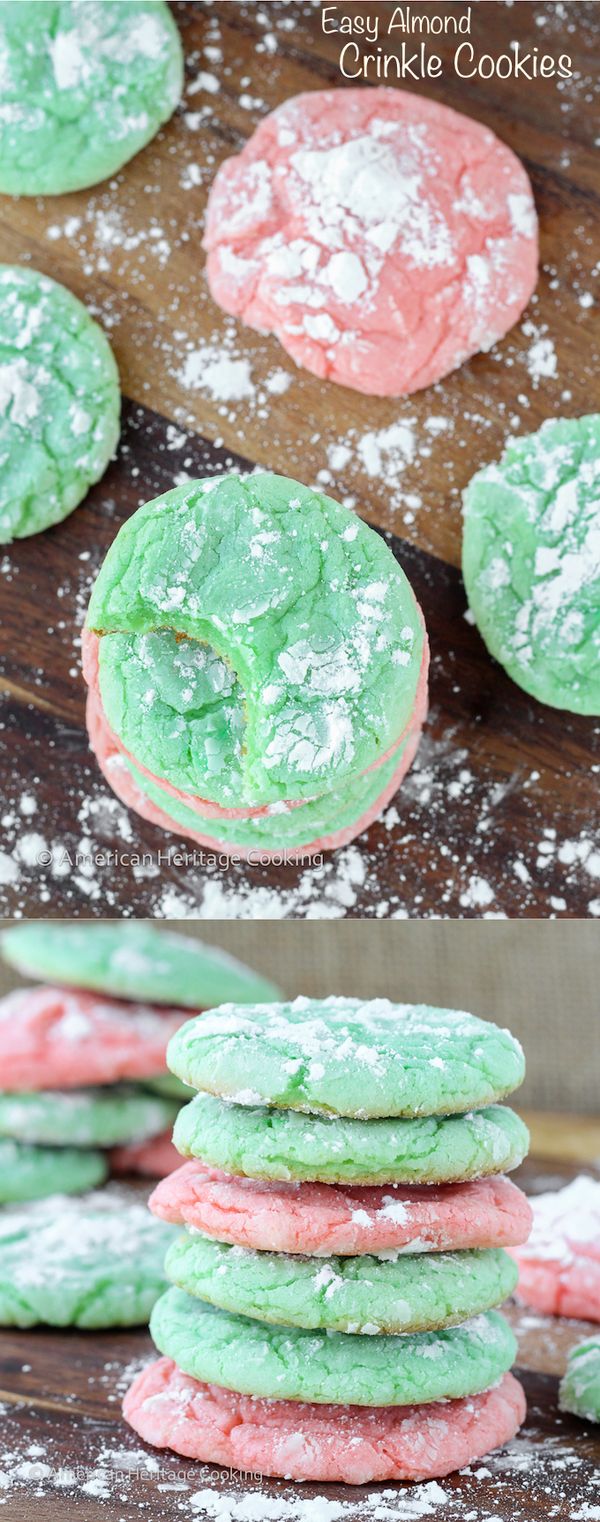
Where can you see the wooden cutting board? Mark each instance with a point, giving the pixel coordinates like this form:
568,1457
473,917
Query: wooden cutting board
61,1394
498,815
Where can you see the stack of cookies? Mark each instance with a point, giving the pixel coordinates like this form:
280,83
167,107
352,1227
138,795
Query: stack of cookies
84,1085
331,1315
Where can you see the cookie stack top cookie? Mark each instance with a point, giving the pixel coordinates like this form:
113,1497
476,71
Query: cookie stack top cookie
394,1092
349,1057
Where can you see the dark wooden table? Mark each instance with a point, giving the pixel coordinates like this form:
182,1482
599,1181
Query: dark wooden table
498,814
66,1453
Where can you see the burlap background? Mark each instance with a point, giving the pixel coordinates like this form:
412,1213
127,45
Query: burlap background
542,980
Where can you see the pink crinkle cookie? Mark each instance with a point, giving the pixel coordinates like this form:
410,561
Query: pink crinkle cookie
382,237
559,1266
320,1219
154,1159
58,1038
350,1444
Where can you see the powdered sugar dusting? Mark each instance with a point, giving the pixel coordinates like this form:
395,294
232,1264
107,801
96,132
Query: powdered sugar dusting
566,1223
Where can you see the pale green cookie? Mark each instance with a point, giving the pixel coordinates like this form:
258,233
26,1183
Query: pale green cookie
85,85
580,1386
92,1262
289,1363
348,1057
132,960
94,1117
394,1293
59,399
283,828
31,1173
168,1085
531,561
285,1144
297,598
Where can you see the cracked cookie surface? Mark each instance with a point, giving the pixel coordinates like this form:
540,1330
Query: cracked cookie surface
531,561
365,1294
290,1363
382,237
328,1218
91,1262
59,402
350,1444
292,595
85,85
351,1057
286,1144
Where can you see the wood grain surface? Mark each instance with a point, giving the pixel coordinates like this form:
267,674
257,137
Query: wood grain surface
499,813
61,1395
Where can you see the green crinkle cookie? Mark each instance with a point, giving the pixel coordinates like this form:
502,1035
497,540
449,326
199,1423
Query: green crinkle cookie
531,561
179,708
580,1386
31,1173
92,1262
283,828
297,598
348,1057
85,85
394,1293
132,960
94,1117
169,1085
59,401
285,1144
290,1363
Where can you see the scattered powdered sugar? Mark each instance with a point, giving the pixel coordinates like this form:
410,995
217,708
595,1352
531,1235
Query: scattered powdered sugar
211,369
383,1506
541,359
566,1223
450,826
77,1234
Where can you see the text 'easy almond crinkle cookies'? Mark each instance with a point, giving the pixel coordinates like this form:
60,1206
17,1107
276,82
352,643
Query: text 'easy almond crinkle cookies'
382,237
257,666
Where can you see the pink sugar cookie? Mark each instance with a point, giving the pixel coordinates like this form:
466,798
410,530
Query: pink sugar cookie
320,1219
58,1038
112,760
350,1444
382,237
559,1266
154,1159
